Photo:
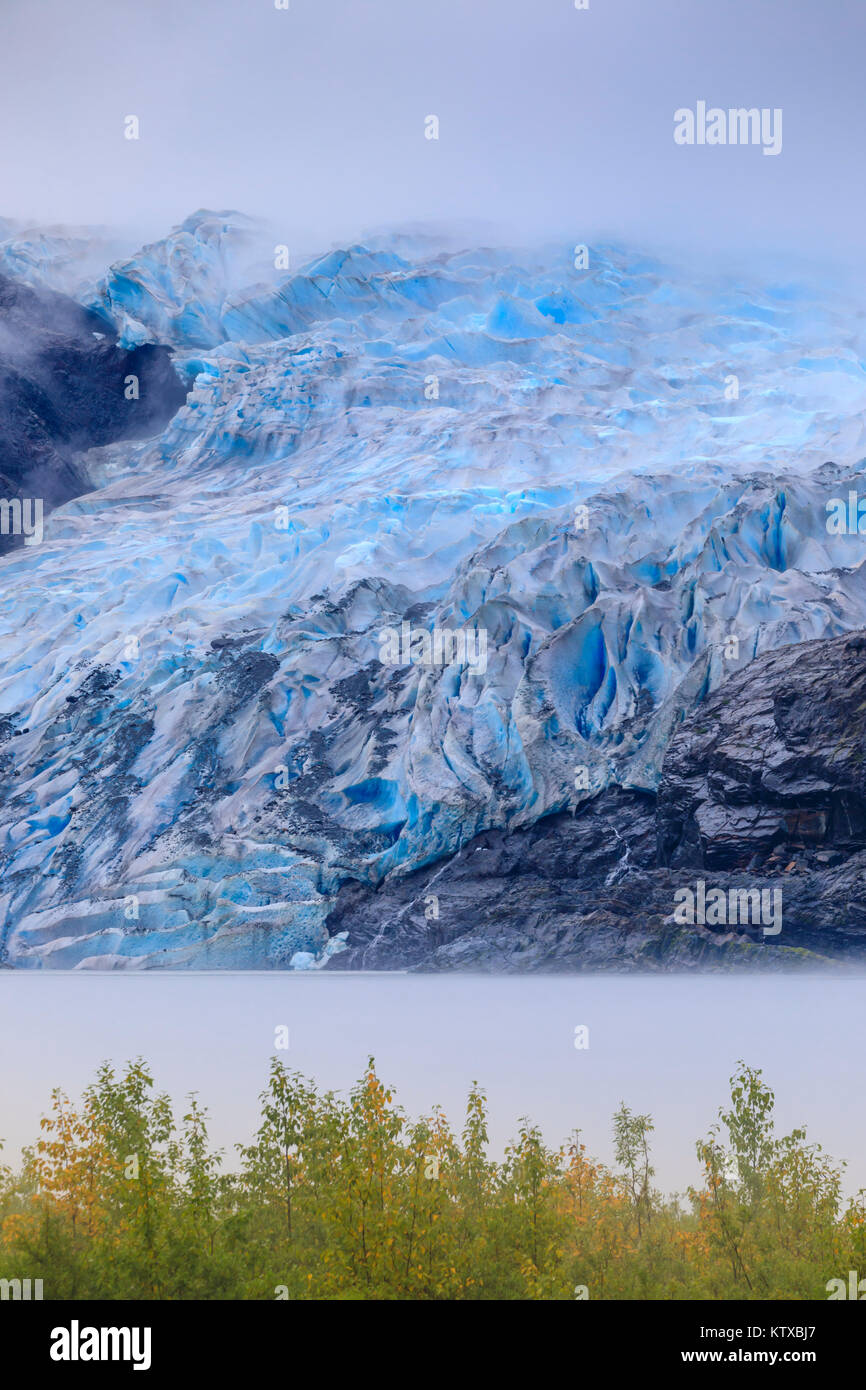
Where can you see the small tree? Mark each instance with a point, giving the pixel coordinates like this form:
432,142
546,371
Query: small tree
632,1149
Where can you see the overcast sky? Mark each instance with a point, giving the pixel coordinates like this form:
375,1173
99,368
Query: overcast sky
553,121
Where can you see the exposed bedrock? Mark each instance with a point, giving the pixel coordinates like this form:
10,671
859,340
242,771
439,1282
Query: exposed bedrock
763,788
67,386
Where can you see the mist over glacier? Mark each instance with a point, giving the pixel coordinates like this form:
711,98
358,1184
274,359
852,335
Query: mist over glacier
608,470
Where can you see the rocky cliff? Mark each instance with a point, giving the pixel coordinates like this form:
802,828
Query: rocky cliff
763,788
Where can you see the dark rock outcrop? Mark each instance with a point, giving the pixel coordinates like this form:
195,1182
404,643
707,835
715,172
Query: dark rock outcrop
772,764
763,788
63,390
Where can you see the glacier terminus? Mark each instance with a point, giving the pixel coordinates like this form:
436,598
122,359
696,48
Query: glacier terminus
244,718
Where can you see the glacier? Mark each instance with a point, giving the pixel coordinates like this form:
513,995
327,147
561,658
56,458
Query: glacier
610,471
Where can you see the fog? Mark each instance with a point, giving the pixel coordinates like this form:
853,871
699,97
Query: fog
553,121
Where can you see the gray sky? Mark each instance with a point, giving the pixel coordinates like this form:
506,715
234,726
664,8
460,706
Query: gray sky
553,120
666,1045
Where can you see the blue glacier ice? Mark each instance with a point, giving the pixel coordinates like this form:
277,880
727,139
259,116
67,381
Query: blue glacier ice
201,741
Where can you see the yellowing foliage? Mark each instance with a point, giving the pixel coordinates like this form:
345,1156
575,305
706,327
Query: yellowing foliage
348,1198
